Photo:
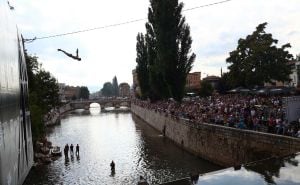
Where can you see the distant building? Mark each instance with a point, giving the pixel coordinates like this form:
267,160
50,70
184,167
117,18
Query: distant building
135,86
124,90
193,81
294,77
71,92
61,92
95,95
213,81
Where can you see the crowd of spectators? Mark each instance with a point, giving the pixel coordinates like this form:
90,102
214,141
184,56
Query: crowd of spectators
258,113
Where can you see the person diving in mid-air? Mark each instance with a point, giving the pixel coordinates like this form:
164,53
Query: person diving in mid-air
70,55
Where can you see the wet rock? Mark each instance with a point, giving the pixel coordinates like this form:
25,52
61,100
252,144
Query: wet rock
47,160
45,150
39,144
39,155
42,152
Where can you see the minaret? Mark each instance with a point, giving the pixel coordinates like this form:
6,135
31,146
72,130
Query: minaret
221,72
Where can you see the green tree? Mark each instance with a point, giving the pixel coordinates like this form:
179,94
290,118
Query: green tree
107,89
206,89
224,84
298,68
115,86
157,83
84,92
257,59
168,44
142,68
43,93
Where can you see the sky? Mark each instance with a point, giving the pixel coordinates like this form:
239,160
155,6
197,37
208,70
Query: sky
111,51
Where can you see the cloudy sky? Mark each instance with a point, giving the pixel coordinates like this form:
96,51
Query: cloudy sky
111,51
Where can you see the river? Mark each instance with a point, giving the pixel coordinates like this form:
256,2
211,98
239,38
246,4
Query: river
135,147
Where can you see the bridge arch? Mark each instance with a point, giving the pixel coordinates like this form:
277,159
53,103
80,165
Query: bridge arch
95,105
94,108
103,103
124,104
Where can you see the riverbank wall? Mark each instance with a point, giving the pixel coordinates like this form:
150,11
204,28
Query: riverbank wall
53,118
221,145
65,108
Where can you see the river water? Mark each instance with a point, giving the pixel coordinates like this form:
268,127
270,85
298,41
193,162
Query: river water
136,148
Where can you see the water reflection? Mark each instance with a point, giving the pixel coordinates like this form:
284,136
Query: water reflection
135,147
95,111
272,169
277,171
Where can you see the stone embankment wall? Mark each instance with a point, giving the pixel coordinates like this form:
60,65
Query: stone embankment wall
54,117
65,108
219,144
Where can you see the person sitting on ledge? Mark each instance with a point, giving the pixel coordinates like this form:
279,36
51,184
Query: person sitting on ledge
70,55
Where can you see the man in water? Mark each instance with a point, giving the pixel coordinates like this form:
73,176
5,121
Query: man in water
112,167
77,149
71,149
66,150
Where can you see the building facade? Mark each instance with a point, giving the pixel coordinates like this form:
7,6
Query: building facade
71,92
124,90
193,81
61,92
135,83
213,81
294,77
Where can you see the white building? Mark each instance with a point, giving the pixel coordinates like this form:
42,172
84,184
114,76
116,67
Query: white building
61,92
295,75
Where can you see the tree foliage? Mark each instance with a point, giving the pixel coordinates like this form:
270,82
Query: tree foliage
206,89
257,59
107,89
224,84
84,92
43,93
142,68
168,45
298,68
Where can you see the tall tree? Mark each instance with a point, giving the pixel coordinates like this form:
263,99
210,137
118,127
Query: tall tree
168,43
107,89
157,83
298,69
206,89
224,84
115,86
47,90
257,59
43,93
142,68
84,92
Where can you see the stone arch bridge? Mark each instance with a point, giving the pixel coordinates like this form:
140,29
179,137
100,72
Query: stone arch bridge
104,103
